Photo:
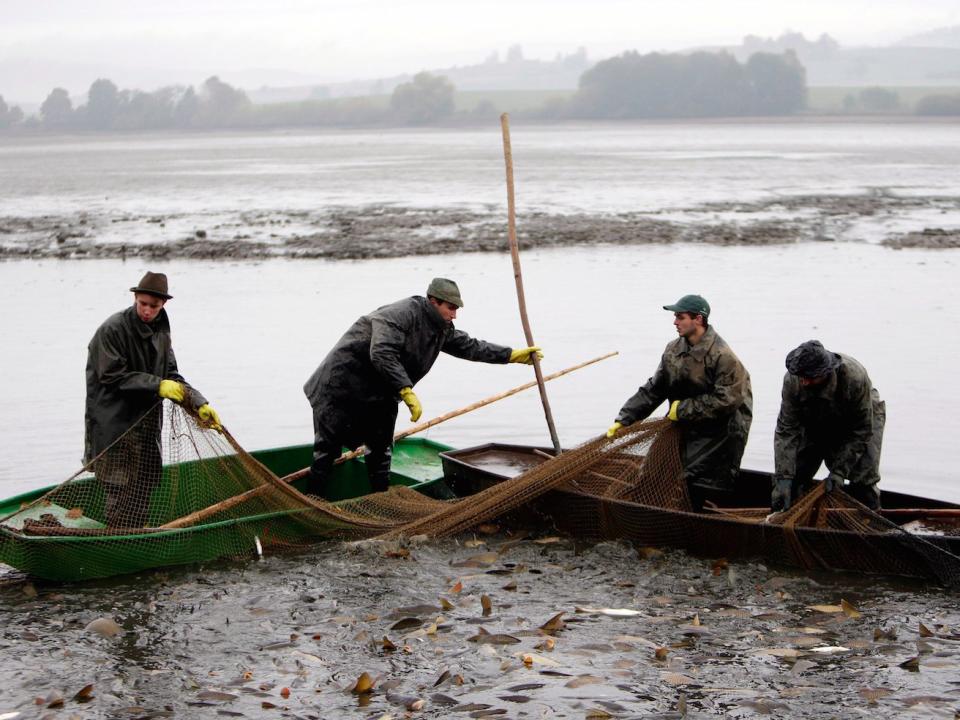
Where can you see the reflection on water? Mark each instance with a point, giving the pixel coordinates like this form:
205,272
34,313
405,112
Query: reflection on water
502,462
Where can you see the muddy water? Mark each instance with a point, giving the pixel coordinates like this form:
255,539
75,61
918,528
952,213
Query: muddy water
739,639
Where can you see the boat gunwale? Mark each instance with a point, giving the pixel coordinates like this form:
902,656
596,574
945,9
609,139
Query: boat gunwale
150,533
165,532
946,543
455,454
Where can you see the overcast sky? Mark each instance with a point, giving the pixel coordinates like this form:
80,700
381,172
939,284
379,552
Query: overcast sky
148,44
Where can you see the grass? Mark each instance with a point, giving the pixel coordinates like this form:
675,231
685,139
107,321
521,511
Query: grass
830,99
507,100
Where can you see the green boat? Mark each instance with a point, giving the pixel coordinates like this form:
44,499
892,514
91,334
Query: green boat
73,555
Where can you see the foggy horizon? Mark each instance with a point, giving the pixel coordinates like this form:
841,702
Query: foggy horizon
54,43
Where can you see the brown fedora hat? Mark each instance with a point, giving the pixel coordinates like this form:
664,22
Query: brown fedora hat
153,284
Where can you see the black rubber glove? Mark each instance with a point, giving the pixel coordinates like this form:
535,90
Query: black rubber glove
781,496
833,482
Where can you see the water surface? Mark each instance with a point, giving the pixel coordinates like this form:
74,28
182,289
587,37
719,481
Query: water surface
248,334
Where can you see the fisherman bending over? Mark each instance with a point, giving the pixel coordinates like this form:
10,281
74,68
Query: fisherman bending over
830,413
355,391
709,392
130,364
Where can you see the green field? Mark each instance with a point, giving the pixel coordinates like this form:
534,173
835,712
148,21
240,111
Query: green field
481,103
826,100
464,102
507,100
831,99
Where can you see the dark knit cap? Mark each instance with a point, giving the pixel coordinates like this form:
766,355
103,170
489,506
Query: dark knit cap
811,360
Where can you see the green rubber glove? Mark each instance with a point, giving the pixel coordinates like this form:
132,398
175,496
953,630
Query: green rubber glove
673,410
172,390
410,398
209,416
525,355
612,430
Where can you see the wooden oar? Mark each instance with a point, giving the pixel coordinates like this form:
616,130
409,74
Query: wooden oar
203,514
518,278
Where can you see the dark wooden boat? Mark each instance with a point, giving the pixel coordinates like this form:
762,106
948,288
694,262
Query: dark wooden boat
922,538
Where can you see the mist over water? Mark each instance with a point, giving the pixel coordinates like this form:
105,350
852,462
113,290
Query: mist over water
248,333
164,187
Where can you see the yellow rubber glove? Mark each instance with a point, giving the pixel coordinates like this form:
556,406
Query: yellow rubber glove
172,390
525,355
209,416
612,430
673,410
410,398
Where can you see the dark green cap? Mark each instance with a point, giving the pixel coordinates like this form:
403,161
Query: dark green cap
693,304
444,289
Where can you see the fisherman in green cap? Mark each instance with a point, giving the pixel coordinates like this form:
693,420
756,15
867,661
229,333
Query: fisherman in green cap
831,414
355,391
709,396
130,369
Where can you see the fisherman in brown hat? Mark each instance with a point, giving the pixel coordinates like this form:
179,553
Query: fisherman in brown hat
130,367
355,391
830,414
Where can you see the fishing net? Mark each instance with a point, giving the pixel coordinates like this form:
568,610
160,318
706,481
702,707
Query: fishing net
834,530
173,491
648,502
620,463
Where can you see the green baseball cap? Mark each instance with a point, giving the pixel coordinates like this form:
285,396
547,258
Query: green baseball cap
444,289
693,304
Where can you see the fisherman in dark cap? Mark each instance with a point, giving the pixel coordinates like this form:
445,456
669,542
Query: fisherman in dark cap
355,391
829,413
130,368
709,396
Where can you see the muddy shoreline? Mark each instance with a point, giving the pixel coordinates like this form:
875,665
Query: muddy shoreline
290,635
388,231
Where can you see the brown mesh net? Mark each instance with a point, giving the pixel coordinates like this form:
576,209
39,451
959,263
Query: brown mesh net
600,458
630,493
171,491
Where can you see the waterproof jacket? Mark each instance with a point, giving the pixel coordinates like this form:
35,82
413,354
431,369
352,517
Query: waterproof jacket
715,410
843,417
391,348
126,360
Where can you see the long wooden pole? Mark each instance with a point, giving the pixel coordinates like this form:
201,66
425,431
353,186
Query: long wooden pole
224,505
518,277
413,429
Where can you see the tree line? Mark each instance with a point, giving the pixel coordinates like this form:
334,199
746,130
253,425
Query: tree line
700,84
217,104
630,85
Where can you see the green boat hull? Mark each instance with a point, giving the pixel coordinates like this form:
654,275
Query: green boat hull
416,464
